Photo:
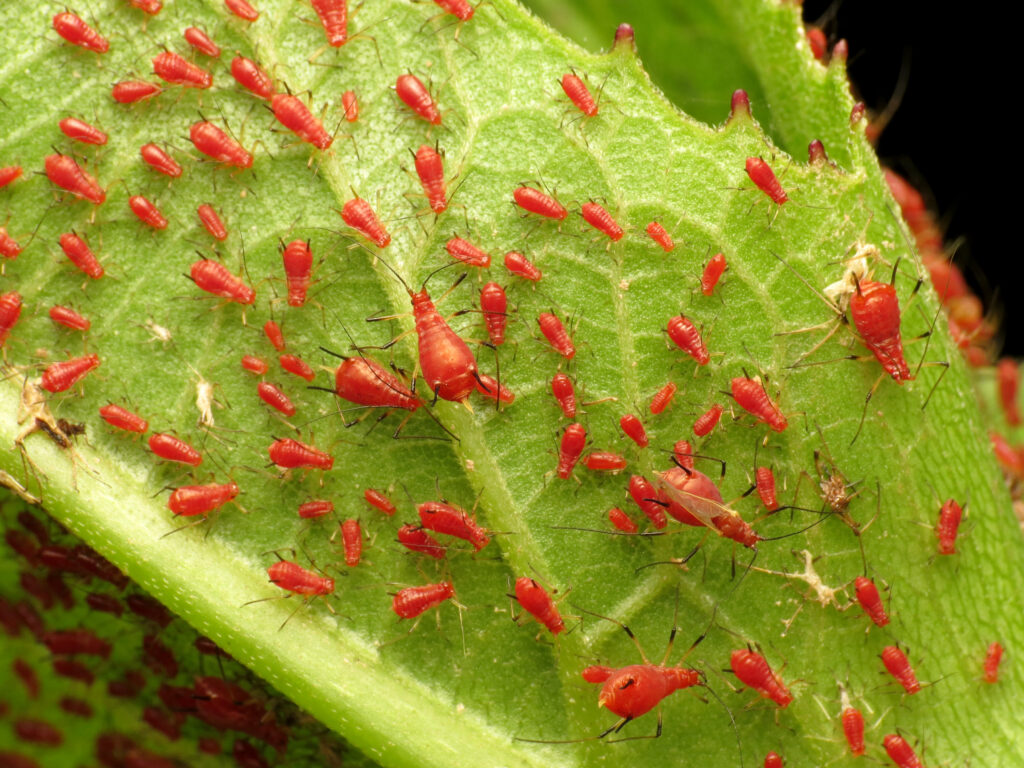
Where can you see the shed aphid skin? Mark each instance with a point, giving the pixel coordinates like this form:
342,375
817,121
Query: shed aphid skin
898,666
536,601
414,94
77,32
597,217
900,752
753,671
534,201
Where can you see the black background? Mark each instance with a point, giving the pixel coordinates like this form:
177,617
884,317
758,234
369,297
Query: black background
953,134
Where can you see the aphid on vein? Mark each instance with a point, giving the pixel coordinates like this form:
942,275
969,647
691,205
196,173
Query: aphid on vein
73,29
416,96
358,214
294,115
430,169
597,217
79,130
467,253
536,601
250,76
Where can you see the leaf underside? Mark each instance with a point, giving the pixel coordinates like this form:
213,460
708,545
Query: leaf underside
465,689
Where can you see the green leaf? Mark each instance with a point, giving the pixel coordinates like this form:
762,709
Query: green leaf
469,693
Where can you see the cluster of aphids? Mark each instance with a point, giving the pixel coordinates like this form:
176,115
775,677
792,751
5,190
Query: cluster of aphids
446,364
124,653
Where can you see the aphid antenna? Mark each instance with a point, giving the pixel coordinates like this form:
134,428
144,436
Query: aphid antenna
687,470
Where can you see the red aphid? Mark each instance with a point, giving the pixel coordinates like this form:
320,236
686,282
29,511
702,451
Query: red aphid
753,671
275,398
579,95
764,179
707,421
310,510
460,9
298,269
658,234
446,362
601,220
150,609
28,677
172,68
896,663
764,481
352,538
105,604
751,397
293,578
294,115
562,389
536,601
410,602
37,732
157,159
663,398
444,518
416,96
274,335
152,7
817,41
489,387
9,247
61,376
147,212
900,752
171,448
377,499
682,454
334,18
131,91
79,254
621,521
694,499
214,143
297,366
242,9
992,661
949,523
1009,459
79,130
1008,376
73,29
467,253
364,381
632,691
521,266
72,706
875,310
9,174
870,600
291,454
634,429
350,106
63,171
358,214
493,304
684,334
69,318
415,539
211,221
853,730
201,42
646,497
712,273
604,461
213,277
250,76
556,334
535,201
773,760
254,365
75,642
570,449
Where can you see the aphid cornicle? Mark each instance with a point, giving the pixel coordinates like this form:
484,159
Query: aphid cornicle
410,602
249,75
61,376
79,130
63,171
73,29
536,601
294,115
359,215
414,94
430,169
